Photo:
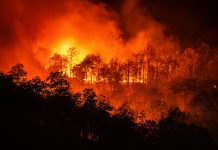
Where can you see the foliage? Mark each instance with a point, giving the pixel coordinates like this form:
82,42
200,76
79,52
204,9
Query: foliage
61,119
57,63
18,74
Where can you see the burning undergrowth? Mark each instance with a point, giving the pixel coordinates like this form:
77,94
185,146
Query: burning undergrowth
124,50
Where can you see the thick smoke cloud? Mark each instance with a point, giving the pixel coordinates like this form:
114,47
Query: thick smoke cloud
31,30
20,22
26,25
190,20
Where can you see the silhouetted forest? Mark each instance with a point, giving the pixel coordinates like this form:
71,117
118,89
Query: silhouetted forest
38,114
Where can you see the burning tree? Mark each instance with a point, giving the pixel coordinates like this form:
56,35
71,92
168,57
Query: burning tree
58,63
72,53
128,67
113,73
88,70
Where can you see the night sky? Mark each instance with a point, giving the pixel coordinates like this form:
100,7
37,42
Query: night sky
189,20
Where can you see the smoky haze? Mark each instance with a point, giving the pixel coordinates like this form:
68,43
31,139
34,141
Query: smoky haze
31,29
190,20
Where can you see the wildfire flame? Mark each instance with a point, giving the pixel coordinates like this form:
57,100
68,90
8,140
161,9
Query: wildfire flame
34,31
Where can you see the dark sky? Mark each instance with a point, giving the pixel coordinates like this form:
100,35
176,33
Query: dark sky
190,20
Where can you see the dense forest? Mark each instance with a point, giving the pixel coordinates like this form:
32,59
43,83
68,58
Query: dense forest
38,114
153,79
109,74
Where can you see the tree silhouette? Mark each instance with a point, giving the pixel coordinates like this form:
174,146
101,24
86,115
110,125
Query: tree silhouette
57,63
72,53
58,83
18,74
90,65
37,113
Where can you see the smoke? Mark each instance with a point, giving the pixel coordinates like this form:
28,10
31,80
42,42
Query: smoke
32,30
20,22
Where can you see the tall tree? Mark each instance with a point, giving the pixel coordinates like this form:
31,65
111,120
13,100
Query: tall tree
58,84
18,74
58,63
72,53
115,74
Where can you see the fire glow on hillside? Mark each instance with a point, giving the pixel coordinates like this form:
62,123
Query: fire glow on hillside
136,47
38,31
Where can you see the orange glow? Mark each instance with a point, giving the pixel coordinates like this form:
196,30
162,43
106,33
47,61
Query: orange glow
89,28
62,47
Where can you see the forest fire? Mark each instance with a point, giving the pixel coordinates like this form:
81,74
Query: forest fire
93,31
145,58
97,45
